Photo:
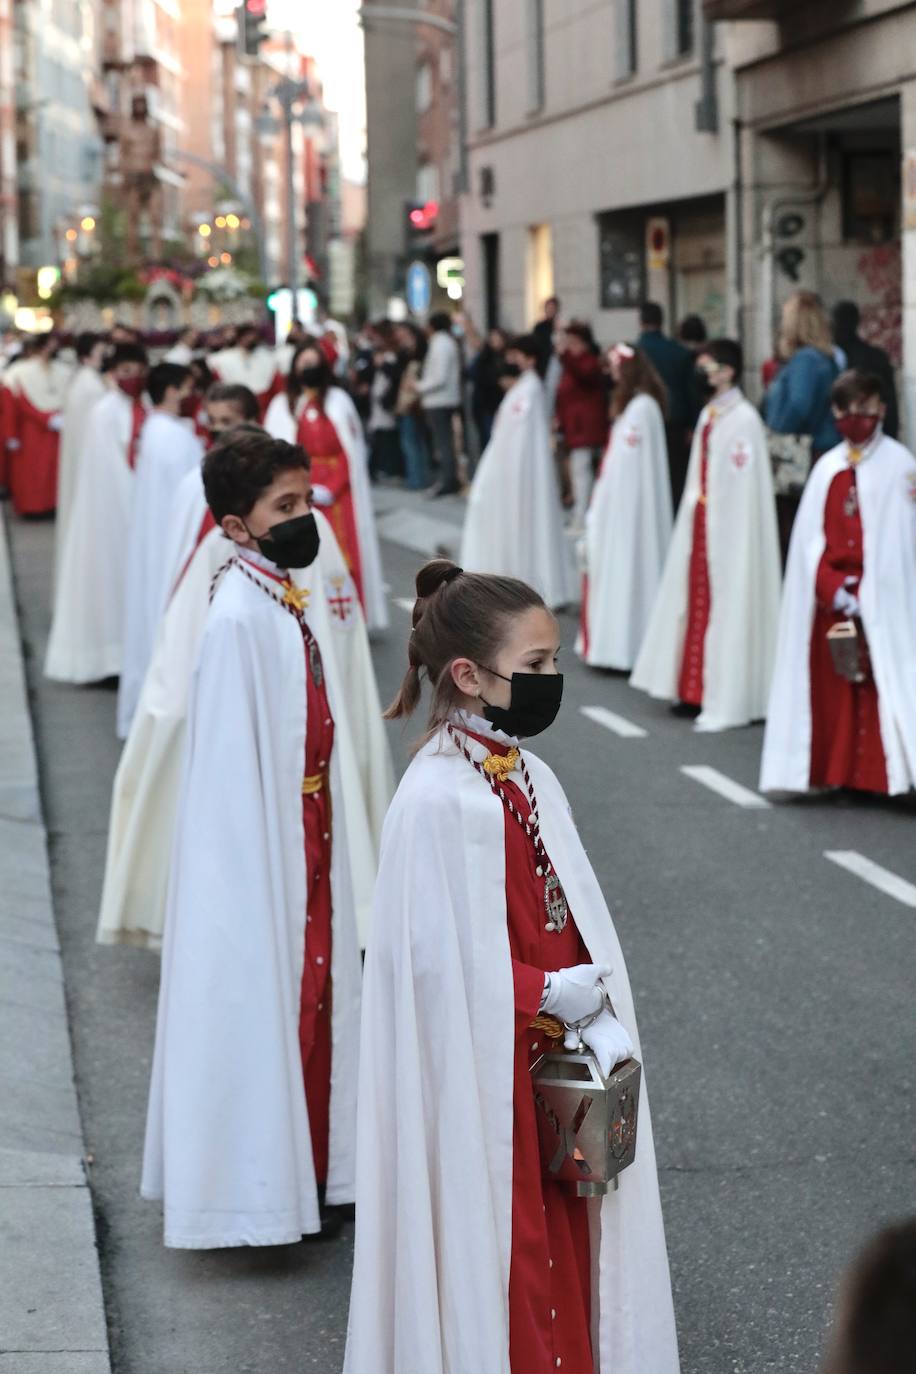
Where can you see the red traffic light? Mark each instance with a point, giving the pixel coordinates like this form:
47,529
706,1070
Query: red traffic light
423,217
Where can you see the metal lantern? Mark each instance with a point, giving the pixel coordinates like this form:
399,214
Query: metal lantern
849,651
586,1122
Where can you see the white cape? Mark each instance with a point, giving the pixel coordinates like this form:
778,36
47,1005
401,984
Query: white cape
186,517
227,1146
145,792
514,521
87,386
742,549
238,367
627,532
434,1146
168,451
340,410
87,626
886,482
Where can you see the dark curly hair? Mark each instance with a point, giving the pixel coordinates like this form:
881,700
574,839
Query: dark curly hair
239,469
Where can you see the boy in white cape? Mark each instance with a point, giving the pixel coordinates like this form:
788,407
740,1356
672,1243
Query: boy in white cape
711,638
514,520
168,450
87,623
467,1257
852,562
252,1099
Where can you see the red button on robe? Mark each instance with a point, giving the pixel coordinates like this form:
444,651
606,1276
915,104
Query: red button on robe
690,682
33,465
331,469
550,1273
846,748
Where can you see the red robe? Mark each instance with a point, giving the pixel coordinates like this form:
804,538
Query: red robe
7,431
846,747
550,1271
33,465
331,468
690,682
315,994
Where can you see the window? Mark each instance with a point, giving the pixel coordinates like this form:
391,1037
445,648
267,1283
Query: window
679,19
626,57
621,260
871,196
536,59
684,21
424,87
488,51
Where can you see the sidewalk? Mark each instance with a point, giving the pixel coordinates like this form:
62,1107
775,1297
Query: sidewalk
52,1320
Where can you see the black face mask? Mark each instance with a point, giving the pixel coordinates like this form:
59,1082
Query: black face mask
291,543
510,370
311,376
533,704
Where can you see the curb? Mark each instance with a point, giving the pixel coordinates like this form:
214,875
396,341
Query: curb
52,1318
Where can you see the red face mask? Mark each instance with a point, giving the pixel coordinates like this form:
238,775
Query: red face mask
858,429
188,407
132,386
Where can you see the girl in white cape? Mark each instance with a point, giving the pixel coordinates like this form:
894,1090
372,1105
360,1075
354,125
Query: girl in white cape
628,525
323,419
466,1259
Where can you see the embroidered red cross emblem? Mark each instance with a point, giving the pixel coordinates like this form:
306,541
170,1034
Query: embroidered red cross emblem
340,605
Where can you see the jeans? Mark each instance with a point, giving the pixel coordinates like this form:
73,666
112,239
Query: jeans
439,420
384,454
582,477
416,455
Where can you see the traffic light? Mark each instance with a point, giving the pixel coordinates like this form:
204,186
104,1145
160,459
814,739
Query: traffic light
420,220
251,17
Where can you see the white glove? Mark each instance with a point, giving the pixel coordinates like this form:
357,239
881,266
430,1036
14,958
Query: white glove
322,496
608,1041
56,423
575,993
12,444
846,602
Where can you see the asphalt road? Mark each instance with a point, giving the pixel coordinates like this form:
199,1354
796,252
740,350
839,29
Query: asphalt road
774,990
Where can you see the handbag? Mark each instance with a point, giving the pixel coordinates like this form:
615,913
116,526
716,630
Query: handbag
790,457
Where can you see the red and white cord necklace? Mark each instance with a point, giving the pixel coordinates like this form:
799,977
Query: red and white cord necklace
555,904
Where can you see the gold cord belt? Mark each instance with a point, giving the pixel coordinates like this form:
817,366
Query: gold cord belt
313,784
552,1028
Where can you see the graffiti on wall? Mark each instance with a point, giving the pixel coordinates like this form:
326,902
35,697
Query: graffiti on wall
879,269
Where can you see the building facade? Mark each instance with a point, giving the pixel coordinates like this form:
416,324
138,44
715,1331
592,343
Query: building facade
9,203
825,164
58,156
600,162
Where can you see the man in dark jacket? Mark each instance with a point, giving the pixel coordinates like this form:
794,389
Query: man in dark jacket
543,332
866,357
675,365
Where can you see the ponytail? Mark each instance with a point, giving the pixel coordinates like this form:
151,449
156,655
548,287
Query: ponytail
456,615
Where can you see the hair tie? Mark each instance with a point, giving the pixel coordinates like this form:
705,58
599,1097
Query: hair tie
450,577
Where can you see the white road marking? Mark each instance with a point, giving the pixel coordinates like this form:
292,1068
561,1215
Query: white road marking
405,604
617,724
870,872
726,787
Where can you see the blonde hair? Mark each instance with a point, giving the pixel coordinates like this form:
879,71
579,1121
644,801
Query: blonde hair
804,325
